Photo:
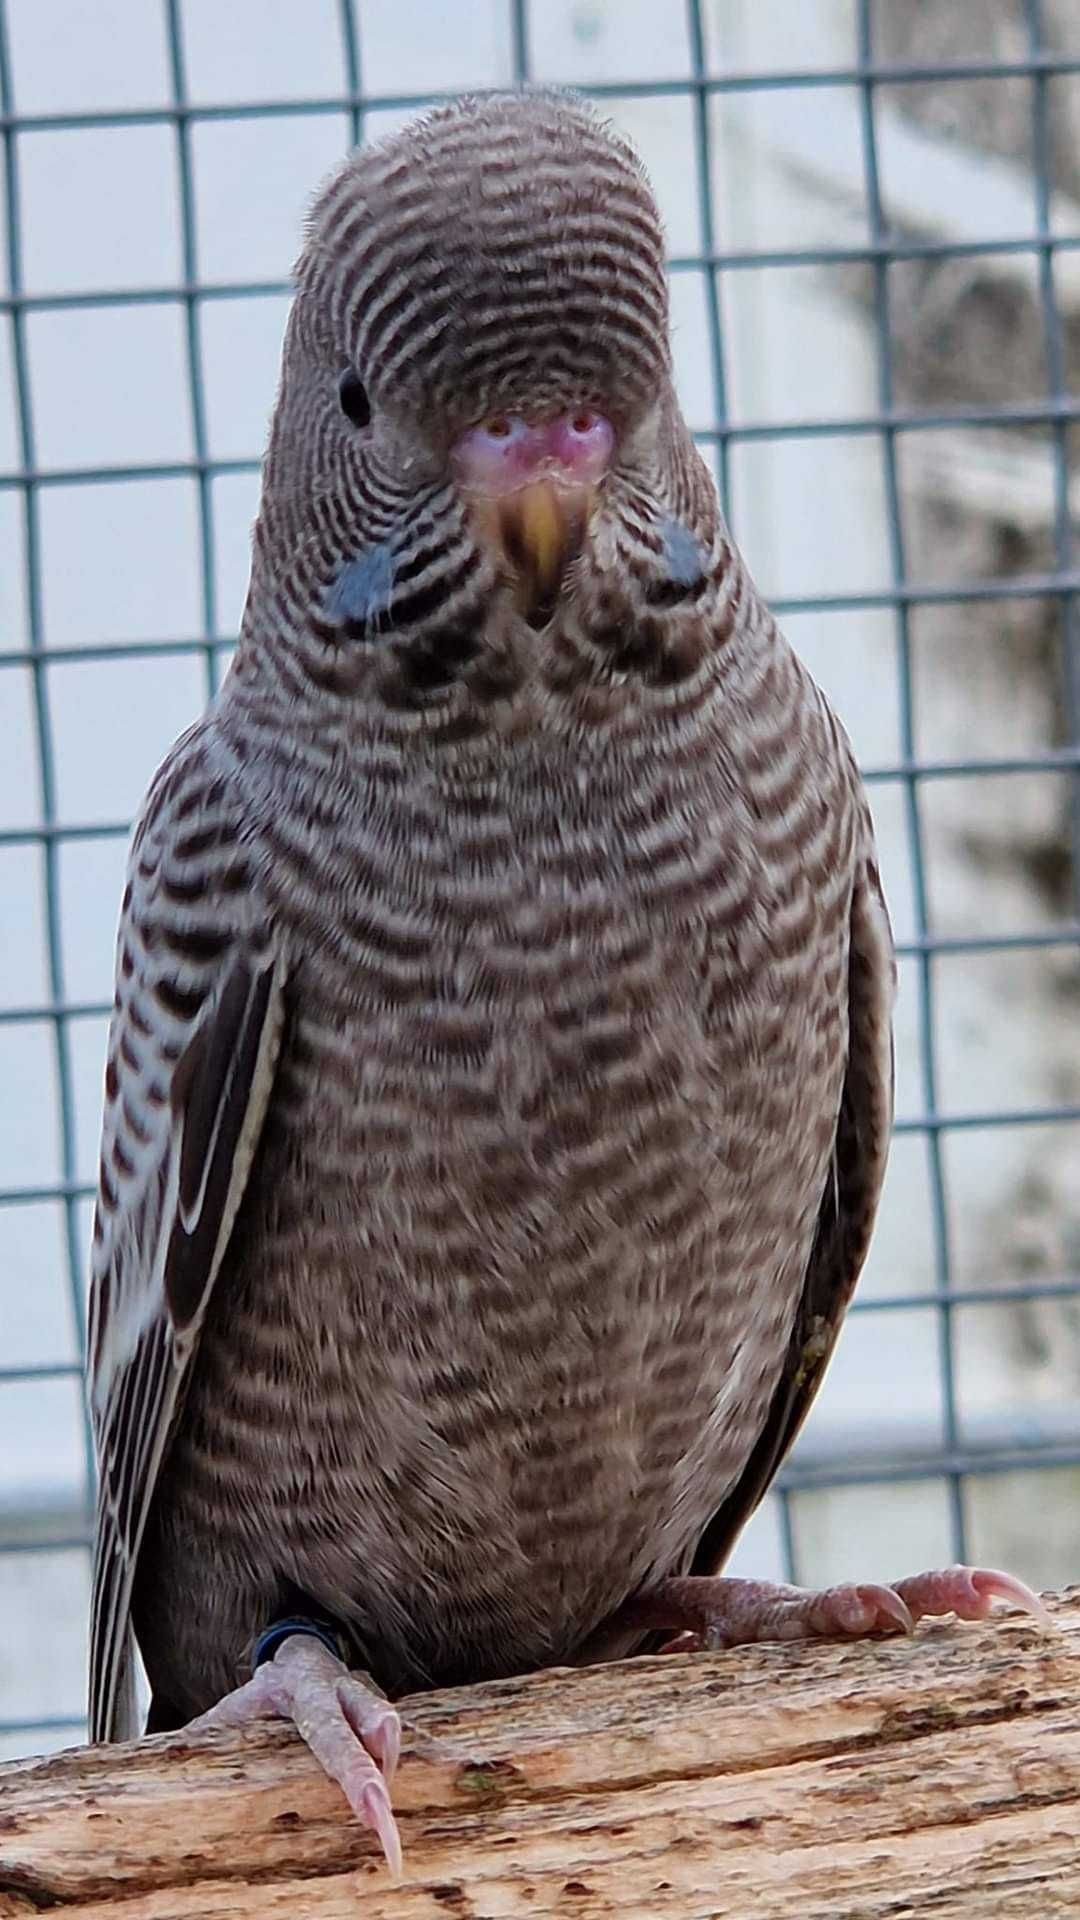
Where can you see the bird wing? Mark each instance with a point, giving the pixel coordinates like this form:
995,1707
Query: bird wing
848,1207
193,1049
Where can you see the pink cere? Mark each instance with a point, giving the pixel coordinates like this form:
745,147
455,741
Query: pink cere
507,453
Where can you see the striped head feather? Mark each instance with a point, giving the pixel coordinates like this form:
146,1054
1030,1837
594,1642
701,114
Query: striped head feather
500,253
486,287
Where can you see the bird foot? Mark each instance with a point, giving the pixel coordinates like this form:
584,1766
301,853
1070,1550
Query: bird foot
717,1612
354,1733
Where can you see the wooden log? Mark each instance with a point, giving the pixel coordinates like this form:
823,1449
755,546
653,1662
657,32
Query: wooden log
873,1781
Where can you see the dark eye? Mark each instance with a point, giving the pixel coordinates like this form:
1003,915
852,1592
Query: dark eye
352,393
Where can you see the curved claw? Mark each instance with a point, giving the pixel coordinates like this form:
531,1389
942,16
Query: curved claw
855,1608
991,1585
387,1741
970,1592
886,1600
376,1812
375,1722
683,1643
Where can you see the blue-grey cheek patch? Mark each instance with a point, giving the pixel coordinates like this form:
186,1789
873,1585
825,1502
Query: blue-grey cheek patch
363,589
685,560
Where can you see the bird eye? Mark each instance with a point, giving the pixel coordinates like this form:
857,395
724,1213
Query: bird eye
352,393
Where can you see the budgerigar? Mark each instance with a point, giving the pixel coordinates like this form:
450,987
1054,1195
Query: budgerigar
499,1085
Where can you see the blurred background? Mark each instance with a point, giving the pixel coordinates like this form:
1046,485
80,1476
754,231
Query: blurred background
873,213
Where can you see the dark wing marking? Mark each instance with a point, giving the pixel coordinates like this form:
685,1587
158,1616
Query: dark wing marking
166,1237
210,1096
847,1213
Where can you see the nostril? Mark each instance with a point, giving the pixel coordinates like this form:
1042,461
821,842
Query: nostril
496,453
583,441
508,450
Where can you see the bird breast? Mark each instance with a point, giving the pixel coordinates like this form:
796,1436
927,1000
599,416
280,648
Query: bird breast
522,1247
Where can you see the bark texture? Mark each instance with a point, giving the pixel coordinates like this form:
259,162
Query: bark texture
936,1776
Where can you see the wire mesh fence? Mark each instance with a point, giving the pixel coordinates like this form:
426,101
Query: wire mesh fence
842,208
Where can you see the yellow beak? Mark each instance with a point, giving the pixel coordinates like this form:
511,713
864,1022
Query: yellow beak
539,529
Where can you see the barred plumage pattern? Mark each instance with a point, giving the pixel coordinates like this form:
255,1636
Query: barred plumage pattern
463,263
499,1083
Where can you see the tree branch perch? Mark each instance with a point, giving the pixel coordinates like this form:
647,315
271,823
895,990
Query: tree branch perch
939,1775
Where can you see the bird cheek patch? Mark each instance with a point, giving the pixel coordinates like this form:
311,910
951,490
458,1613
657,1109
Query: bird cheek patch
684,558
362,593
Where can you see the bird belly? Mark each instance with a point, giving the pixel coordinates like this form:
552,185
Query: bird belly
497,1332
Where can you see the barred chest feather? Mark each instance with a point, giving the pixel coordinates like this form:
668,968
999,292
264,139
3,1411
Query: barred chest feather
517,1265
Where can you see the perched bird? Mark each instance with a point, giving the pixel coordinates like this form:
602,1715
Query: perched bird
499,1084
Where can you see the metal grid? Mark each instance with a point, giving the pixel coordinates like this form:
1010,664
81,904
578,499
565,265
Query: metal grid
28,481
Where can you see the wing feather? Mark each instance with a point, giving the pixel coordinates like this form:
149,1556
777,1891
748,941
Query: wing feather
192,1054
848,1208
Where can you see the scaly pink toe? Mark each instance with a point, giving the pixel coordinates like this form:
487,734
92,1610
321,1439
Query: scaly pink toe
352,1730
969,1592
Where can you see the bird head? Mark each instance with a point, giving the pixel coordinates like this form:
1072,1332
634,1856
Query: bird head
476,407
